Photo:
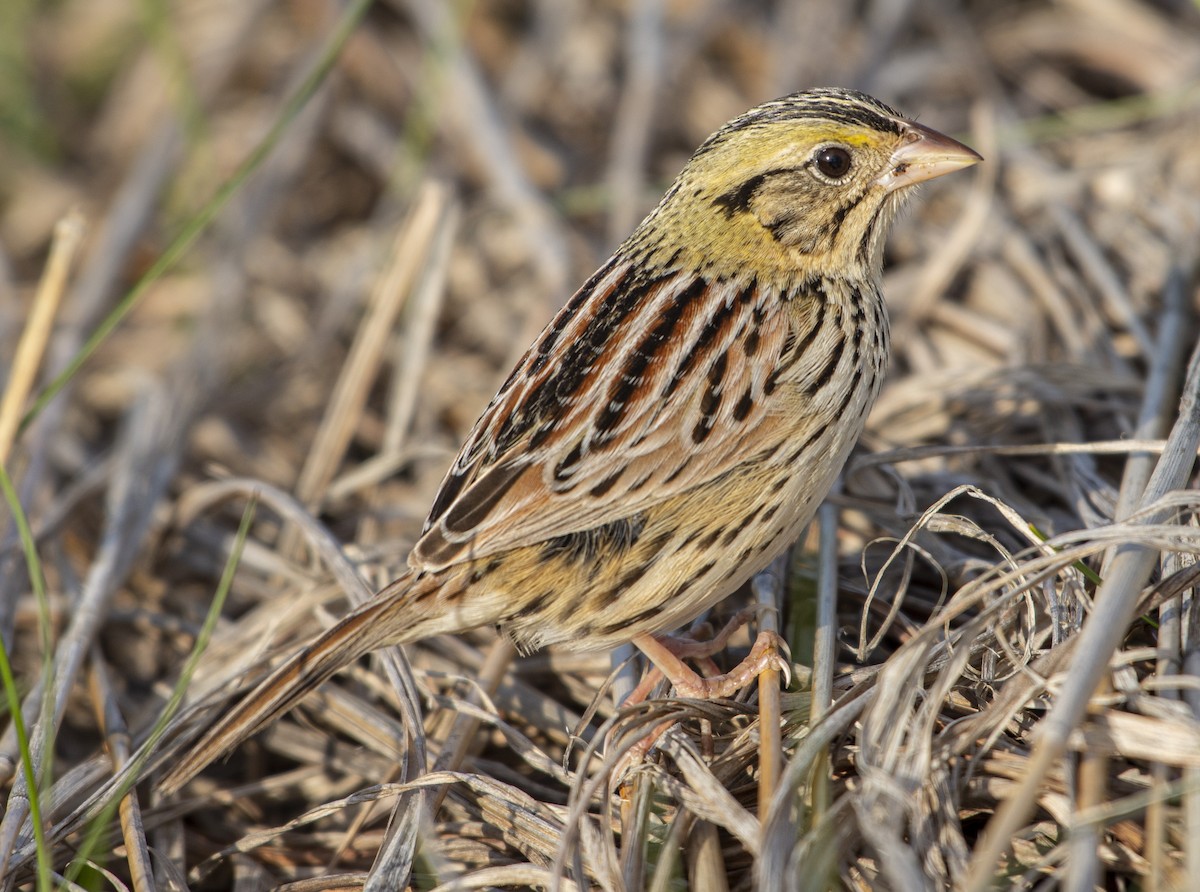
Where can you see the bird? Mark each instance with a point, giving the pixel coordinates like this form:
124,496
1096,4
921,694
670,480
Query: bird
676,424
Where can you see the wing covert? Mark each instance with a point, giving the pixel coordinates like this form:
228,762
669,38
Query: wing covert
638,390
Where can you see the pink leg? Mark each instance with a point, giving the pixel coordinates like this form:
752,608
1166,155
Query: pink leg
665,653
690,648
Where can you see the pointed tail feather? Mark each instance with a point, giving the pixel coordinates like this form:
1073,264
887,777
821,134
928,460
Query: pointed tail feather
368,628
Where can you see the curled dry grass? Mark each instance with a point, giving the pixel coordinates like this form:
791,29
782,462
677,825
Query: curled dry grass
1009,683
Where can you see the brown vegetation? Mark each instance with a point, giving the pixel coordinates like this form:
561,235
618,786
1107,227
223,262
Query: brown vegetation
1011,687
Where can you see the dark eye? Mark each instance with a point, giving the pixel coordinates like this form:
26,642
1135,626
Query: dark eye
833,162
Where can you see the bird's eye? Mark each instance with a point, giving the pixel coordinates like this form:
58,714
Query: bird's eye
833,162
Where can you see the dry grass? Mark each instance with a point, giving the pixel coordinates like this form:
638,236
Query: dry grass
1008,689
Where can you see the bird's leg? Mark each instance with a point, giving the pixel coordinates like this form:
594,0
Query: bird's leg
668,656
688,647
667,653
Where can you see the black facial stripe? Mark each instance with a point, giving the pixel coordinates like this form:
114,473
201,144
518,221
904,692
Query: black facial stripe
737,200
839,216
779,227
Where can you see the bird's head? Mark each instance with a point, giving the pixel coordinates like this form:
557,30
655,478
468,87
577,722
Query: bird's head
808,183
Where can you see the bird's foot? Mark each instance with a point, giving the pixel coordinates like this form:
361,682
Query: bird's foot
668,654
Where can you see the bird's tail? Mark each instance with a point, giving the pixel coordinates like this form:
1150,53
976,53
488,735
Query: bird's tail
368,628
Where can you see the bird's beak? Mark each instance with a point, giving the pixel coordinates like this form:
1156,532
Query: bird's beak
925,154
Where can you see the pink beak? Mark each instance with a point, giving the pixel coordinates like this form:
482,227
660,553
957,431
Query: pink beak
925,154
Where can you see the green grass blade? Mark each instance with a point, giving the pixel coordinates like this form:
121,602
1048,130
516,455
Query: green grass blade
92,840
205,216
12,695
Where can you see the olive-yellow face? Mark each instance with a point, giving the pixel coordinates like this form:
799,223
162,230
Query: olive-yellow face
808,183
812,182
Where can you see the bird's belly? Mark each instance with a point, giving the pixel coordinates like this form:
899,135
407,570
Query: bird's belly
689,553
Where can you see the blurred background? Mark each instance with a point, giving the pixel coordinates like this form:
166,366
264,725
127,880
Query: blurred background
318,234
553,127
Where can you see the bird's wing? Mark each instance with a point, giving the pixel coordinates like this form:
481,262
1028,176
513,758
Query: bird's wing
639,389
